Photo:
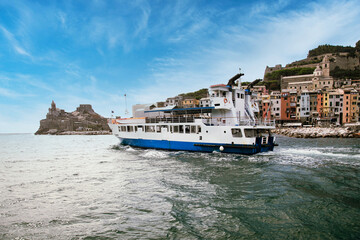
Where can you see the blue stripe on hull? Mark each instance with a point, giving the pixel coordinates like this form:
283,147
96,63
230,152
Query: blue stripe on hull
189,146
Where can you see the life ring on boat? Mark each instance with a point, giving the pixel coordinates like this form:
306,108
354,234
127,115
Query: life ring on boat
225,100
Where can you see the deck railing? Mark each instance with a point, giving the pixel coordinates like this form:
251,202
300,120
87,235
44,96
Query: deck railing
212,121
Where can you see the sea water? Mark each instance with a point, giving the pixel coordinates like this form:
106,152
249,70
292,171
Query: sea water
89,187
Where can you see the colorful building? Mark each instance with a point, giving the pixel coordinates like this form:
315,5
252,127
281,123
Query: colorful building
288,105
350,106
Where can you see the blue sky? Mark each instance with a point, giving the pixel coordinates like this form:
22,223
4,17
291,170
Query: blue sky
94,51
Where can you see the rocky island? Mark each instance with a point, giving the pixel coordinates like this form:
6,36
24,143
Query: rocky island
83,121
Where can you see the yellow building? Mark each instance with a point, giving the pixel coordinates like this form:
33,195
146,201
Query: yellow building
190,103
326,104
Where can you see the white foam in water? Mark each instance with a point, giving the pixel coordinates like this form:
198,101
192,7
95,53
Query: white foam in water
130,149
306,151
155,154
314,157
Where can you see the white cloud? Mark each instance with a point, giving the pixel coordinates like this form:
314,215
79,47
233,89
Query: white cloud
281,39
14,43
261,8
21,51
8,93
62,19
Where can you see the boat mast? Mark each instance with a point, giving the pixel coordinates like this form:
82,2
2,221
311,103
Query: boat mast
126,111
239,82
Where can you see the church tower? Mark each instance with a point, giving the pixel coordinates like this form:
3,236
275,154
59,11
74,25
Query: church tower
53,106
326,66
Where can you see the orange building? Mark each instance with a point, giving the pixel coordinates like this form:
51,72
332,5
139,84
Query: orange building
266,110
288,105
320,104
350,106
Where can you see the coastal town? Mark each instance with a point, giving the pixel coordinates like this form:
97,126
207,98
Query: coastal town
320,93
315,97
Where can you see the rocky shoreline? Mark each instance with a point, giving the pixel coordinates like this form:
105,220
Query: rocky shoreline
320,132
84,133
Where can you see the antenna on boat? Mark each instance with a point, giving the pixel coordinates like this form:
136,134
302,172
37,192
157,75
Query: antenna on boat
126,111
239,82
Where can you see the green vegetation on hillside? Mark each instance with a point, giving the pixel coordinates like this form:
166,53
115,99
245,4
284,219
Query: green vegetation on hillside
273,85
357,46
276,75
202,93
345,73
261,83
322,49
304,62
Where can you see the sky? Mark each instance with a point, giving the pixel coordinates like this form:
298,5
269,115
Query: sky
94,52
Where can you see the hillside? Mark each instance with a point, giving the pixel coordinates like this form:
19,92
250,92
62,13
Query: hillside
343,62
202,93
323,49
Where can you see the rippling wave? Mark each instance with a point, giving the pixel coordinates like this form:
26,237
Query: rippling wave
90,187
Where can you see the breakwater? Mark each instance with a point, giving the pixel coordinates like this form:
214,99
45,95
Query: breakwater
85,133
320,132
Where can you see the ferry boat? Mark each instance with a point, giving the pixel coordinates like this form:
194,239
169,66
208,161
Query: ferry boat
227,125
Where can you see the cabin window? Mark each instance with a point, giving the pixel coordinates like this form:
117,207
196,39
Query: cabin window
123,128
199,129
193,129
158,128
176,129
130,128
119,129
236,132
150,129
187,128
242,96
181,129
165,128
238,95
262,132
135,127
250,133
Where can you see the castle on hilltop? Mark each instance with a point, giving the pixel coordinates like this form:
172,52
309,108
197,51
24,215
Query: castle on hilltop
83,119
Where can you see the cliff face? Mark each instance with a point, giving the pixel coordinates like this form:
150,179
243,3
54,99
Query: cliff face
83,119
